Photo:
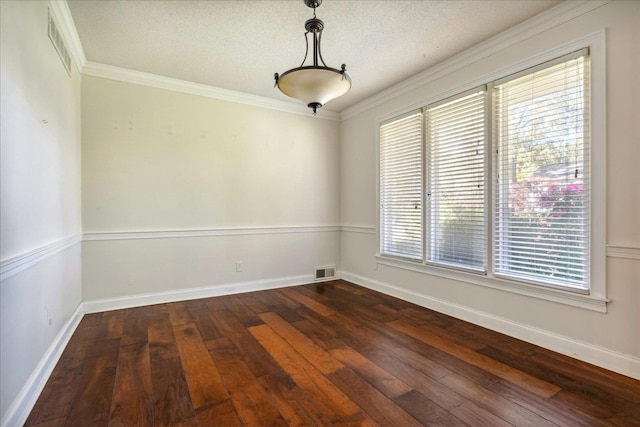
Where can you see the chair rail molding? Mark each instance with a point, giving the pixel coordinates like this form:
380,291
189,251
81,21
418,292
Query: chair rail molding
18,263
171,234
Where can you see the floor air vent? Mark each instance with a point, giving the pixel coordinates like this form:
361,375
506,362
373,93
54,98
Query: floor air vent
58,43
326,273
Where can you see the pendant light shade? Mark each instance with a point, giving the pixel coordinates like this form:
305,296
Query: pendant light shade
315,85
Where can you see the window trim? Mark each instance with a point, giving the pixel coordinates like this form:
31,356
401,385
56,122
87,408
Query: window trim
595,297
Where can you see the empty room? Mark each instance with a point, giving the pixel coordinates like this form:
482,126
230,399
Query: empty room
307,212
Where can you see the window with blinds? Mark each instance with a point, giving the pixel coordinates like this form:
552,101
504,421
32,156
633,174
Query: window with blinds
455,174
401,187
541,212
520,212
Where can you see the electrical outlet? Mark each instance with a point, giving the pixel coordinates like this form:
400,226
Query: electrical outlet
238,266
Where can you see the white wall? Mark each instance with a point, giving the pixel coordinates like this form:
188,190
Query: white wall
603,336
39,194
161,161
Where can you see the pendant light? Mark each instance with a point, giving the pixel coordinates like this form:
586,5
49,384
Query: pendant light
316,84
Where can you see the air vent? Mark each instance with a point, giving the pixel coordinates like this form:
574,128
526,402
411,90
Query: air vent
326,273
58,43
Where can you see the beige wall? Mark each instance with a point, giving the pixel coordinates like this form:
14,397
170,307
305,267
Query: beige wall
39,192
160,160
156,160
615,331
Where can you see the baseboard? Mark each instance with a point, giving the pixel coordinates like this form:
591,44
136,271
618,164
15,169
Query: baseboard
106,304
17,413
617,362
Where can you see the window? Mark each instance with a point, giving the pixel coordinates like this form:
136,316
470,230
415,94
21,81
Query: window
542,179
454,177
401,187
520,211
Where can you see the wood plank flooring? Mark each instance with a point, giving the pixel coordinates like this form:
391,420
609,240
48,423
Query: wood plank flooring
323,354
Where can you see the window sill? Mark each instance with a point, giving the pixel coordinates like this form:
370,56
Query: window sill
589,302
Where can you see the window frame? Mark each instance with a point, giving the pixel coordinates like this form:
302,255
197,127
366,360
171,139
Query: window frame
595,297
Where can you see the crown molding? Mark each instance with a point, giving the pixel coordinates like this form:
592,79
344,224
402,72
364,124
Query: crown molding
551,18
64,20
104,71
536,25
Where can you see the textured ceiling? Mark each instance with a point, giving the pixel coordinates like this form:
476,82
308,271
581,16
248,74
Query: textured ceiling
238,45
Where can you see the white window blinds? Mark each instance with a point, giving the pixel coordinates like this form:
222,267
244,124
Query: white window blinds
541,132
401,187
455,174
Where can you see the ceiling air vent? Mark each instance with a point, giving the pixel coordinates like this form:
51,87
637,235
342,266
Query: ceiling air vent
58,43
326,273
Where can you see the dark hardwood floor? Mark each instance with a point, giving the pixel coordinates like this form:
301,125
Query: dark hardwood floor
323,354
